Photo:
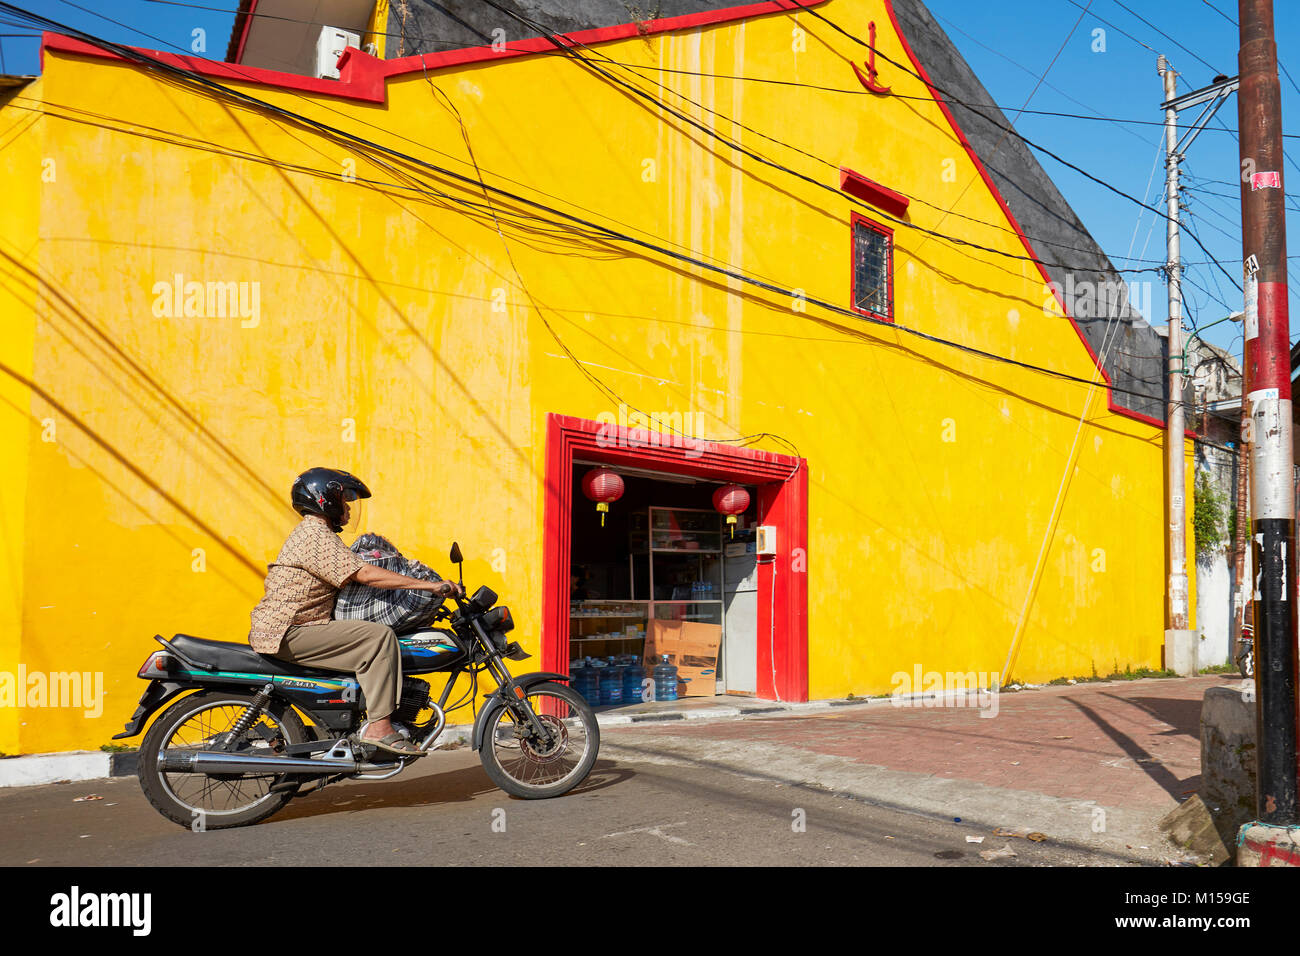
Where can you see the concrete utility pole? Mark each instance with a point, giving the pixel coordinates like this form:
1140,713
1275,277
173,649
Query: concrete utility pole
1242,587
1180,641
1174,425
1263,232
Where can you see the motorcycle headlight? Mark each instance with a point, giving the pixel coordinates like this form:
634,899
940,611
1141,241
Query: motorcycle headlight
499,619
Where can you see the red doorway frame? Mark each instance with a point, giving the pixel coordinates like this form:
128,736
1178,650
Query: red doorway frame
782,482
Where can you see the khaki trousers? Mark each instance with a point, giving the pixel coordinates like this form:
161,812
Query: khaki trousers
365,648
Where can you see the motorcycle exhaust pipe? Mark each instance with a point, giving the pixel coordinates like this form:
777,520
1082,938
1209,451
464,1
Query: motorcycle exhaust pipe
201,761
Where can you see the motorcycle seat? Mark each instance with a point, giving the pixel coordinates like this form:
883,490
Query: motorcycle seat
227,656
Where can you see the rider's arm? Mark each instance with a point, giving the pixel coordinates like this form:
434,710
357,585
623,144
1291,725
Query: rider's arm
377,577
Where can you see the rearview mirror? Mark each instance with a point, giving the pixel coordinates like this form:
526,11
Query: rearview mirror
455,553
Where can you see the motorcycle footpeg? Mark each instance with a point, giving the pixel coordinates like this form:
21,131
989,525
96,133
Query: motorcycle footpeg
369,753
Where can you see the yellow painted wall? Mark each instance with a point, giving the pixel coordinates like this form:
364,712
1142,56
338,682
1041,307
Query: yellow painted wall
21,133
395,339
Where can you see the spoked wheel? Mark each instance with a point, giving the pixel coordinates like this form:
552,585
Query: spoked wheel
204,721
524,766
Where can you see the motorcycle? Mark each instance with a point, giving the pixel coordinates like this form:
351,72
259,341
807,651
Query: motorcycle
237,751
1246,654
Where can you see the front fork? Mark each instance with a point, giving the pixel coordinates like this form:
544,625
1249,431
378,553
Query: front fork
514,696
515,699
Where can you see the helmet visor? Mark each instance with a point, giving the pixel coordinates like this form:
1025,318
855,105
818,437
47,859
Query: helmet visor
354,514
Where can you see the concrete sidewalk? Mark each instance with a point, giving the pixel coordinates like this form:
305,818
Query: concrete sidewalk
1094,765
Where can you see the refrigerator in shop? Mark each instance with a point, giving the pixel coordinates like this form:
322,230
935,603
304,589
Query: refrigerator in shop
739,657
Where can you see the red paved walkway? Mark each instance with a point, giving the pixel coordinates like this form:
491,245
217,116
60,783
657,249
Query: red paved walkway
1121,744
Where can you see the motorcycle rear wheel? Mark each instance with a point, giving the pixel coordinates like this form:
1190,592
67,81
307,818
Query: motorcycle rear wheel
515,764
217,802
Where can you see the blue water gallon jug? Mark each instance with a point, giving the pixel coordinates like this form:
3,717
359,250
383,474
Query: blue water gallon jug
633,675
589,684
611,683
665,677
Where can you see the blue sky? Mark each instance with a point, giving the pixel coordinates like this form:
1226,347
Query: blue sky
1041,54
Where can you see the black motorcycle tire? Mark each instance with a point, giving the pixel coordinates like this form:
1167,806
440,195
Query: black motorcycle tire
157,792
517,788
1246,663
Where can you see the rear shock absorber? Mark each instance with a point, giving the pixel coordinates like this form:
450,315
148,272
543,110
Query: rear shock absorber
251,713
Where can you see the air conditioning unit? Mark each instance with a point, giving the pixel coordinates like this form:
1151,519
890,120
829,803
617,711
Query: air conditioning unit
329,47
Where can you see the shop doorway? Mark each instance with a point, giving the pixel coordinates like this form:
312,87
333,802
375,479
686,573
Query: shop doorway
665,554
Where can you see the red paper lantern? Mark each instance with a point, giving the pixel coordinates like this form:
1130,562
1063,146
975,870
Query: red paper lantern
731,500
602,485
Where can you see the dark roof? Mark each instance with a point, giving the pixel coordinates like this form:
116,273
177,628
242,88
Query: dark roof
237,29
427,26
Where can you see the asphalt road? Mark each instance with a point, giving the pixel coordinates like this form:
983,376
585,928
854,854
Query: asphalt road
638,808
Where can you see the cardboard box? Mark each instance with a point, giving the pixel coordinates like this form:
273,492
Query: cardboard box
693,647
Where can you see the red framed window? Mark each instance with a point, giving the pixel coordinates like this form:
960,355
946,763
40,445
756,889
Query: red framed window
873,269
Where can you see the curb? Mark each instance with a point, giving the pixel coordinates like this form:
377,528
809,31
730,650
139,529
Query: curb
34,770
721,712
38,769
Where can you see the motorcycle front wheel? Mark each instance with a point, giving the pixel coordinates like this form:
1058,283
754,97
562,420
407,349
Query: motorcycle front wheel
216,801
524,767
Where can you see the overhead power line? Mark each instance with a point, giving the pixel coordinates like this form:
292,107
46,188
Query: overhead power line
193,78
1002,126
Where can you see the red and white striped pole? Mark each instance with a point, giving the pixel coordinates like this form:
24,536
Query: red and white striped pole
1263,220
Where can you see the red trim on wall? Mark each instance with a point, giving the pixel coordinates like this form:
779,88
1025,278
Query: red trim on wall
870,191
622,31
855,218
366,80
1011,219
361,75
782,501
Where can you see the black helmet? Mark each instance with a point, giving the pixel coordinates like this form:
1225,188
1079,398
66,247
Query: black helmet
322,491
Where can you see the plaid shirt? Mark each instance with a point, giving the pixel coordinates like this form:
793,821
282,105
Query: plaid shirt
302,584
401,609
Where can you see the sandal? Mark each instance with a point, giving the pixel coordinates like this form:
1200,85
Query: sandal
394,743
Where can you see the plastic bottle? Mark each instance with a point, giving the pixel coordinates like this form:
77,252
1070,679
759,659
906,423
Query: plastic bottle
586,682
665,677
633,675
611,683
596,668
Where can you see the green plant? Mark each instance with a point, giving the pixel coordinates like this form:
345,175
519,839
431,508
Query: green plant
1210,517
115,748
1130,674
1219,669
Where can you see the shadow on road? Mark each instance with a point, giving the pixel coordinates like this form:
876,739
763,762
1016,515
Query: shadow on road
432,789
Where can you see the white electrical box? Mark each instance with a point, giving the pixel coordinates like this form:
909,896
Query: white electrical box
765,539
329,47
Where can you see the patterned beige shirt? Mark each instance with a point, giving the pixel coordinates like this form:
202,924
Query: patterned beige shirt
302,584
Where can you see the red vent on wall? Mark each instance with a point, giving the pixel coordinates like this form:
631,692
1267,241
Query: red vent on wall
869,191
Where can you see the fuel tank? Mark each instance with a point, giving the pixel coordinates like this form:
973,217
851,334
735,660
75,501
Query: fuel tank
429,650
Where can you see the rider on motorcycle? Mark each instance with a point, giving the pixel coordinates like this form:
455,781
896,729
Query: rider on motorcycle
295,619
